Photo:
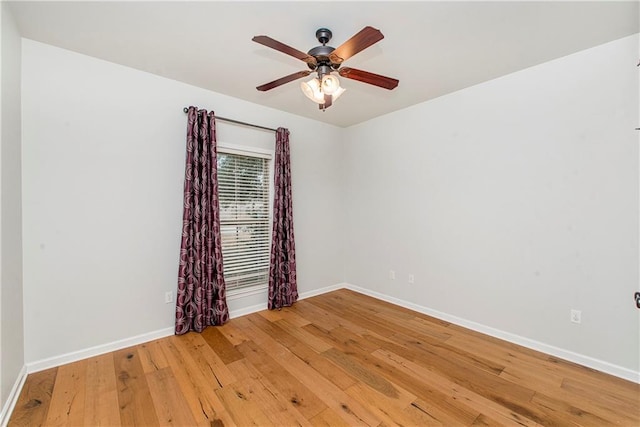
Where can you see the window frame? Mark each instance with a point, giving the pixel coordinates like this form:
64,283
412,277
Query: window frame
248,151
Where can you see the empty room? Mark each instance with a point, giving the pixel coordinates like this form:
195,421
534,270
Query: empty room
365,213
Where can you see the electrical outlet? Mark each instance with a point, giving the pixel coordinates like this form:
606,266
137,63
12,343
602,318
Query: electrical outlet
576,316
168,297
412,279
392,275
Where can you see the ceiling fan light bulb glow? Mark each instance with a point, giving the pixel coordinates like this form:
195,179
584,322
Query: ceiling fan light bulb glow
311,89
330,84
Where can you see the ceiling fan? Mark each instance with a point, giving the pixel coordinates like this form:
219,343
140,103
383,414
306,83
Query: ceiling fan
324,60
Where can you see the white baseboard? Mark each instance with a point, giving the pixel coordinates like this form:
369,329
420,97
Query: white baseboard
561,353
321,291
259,307
74,356
54,361
247,310
12,399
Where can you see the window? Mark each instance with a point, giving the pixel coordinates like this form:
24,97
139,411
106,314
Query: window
245,216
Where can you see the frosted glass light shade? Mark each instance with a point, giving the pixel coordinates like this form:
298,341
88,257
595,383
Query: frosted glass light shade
311,89
337,94
330,84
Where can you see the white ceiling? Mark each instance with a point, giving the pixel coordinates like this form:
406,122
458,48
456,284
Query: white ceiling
433,48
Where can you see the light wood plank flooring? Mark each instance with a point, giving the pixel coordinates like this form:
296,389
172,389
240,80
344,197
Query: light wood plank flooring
337,359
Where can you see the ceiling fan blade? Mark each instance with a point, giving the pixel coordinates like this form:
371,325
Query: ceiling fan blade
275,44
328,101
359,42
283,80
367,77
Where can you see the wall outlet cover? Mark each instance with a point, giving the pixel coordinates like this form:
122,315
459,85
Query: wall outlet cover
576,316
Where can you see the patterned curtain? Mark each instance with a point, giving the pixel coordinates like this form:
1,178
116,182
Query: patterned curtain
201,299
283,289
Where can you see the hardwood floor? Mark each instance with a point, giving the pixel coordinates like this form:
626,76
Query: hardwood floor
340,358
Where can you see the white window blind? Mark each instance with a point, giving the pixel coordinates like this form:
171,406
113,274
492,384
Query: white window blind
243,189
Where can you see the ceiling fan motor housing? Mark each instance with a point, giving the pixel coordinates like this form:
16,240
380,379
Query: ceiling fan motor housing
321,53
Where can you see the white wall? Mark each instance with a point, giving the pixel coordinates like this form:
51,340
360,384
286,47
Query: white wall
511,202
11,315
103,165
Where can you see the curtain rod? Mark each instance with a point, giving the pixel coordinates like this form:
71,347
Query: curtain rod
224,119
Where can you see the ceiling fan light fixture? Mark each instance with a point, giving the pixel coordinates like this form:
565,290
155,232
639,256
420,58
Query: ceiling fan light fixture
330,84
312,90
